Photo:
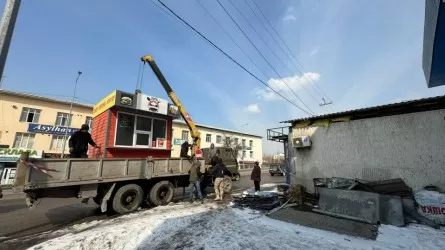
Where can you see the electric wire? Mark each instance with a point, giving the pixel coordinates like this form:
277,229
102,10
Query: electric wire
232,39
287,47
261,54
231,58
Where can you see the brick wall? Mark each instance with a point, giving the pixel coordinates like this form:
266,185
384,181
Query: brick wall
98,133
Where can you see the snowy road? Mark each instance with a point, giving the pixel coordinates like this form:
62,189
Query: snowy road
213,226
17,220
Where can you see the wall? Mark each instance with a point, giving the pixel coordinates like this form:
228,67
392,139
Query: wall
257,142
11,108
409,146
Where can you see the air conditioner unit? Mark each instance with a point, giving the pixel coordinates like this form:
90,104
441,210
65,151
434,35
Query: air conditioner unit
301,142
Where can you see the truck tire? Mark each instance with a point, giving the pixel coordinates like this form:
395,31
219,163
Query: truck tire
128,199
162,193
227,184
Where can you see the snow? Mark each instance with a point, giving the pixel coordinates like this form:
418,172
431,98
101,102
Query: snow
213,226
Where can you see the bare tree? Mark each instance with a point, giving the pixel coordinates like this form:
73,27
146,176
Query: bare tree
233,143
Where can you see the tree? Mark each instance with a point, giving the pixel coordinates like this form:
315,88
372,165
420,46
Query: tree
233,143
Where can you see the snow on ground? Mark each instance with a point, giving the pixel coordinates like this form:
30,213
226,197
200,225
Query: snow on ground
212,226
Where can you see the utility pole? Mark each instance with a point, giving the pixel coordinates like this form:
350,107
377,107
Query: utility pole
6,29
68,123
243,146
325,103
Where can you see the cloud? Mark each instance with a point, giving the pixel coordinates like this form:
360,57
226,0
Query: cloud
313,52
252,108
288,16
286,85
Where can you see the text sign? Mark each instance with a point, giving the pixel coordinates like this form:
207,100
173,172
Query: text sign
177,141
13,154
431,205
50,129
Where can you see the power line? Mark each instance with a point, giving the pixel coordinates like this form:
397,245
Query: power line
233,40
265,59
287,47
231,58
273,52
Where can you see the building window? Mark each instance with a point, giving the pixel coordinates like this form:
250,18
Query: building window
30,115
24,140
244,143
244,154
228,141
208,138
57,142
236,141
251,143
185,134
218,139
89,122
140,131
251,154
62,119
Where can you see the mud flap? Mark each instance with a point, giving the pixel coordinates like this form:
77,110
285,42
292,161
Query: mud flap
103,206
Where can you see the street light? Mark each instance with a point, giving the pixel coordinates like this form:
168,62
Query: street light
69,116
242,139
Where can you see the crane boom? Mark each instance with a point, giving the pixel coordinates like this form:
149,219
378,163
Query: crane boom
196,135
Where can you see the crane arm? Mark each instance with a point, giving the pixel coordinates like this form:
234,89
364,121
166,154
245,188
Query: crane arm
196,135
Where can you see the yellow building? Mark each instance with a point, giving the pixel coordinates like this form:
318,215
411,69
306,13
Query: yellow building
250,148
30,122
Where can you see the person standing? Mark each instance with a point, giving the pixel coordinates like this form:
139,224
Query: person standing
79,141
185,150
255,176
219,171
194,179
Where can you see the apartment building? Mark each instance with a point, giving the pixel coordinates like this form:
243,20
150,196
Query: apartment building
37,124
249,147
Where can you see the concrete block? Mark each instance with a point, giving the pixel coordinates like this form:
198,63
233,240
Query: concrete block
391,210
364,206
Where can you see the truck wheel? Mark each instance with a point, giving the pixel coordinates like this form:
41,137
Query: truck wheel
162,193
227,184
128,198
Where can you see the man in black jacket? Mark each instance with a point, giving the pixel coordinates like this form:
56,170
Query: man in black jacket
79,141
219,171
185,150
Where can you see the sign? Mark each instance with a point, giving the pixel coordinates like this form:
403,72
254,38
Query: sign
173,110
105,104
50,129
124,99
13,154
152,104
160,143
177,141
431,205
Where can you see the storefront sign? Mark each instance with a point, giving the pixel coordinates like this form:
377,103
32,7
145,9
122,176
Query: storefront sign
177,141
105,104
431,205
124,99
13,154
160,143
50,129
152,104
173,110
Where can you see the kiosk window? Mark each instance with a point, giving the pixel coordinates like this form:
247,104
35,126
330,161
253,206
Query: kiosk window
125,130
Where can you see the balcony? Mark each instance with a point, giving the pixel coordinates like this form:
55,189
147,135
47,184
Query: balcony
278,134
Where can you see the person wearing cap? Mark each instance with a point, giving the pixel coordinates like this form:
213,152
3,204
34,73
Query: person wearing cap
79,141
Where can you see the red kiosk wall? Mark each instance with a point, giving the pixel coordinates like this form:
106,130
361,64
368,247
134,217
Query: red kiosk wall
98,134
125,152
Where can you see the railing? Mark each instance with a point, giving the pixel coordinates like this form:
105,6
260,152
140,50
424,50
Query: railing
278,134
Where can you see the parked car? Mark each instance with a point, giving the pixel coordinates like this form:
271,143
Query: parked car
276,169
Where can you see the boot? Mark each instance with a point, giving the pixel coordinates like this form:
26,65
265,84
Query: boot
217,198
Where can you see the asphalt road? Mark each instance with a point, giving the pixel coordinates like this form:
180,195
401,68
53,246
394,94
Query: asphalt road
17,220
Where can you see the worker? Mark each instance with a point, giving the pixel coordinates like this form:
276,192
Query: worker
255,176
218,172
185,150
194,179
79,141
214,159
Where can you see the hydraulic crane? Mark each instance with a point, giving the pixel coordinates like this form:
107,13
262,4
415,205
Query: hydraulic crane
196,135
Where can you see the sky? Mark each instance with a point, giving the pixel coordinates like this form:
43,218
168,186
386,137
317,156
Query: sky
353,53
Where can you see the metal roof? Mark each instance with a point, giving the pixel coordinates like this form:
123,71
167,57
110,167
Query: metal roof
412,106
48,99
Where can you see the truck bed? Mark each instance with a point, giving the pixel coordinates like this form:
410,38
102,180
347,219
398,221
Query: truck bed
68,172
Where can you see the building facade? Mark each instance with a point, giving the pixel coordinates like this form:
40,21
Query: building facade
249,147
37,124
403,140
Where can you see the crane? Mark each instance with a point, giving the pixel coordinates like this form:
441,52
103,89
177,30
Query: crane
196,135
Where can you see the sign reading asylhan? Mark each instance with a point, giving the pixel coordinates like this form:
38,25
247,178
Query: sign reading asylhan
49,129
13,154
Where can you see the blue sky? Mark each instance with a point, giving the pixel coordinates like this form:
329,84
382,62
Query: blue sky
359,53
